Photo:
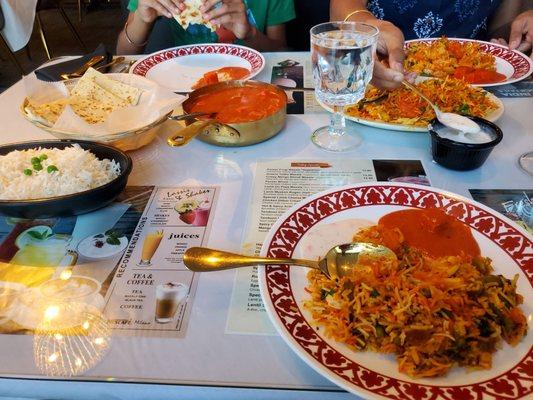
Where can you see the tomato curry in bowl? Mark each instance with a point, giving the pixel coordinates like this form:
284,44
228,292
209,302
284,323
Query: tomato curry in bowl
253,111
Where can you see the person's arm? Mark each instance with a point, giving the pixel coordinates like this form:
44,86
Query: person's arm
390,42
231,14
133,37
273,40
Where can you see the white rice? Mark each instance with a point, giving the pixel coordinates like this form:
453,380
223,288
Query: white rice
78,170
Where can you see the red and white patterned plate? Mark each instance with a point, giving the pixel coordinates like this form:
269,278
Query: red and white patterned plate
325,219
511,63
179,68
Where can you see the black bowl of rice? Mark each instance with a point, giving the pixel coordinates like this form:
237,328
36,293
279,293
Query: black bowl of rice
55,178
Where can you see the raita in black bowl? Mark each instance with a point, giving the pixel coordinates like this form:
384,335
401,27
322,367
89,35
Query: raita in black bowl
460,151
35,176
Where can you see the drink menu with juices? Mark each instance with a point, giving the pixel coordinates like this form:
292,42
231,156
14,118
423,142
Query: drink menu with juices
152,291
122,262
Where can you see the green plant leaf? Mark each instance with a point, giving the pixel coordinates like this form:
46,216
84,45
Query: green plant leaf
113,241
36,235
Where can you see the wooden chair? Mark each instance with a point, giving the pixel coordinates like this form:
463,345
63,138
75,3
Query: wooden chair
55,4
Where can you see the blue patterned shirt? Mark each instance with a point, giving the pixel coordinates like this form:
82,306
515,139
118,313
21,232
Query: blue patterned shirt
431,18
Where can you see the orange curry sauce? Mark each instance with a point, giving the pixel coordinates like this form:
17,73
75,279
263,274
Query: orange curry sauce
478,76
221,75
433,231
240,104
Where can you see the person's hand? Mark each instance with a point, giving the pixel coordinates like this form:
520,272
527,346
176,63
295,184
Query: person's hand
389,73
149,10
230,14
521,36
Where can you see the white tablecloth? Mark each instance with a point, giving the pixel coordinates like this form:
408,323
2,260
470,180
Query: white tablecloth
19,16
211,364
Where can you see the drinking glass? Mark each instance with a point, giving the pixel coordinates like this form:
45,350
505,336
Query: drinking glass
526,162
342,54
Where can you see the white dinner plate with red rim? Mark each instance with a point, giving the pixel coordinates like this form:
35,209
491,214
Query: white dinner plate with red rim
492,116
511,63
374,375
179,68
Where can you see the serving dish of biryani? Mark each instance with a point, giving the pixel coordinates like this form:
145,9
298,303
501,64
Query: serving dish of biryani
446,319
402,109
476,62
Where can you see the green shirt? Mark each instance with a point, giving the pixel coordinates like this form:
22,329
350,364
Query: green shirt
261,13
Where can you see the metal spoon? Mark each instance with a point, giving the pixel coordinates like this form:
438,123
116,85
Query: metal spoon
451,120
81,70
115,61
338,261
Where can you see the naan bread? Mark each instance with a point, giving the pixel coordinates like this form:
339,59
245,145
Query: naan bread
48,113
92,102
93,98
127,93
192,15
86,107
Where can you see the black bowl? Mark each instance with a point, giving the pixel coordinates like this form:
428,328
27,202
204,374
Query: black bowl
70,204
463,156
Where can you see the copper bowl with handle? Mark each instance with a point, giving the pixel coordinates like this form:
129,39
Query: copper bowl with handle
230,134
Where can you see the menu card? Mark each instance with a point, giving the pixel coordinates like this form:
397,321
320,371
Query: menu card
152,290
515,204
295,75
122,262
524,88
278,185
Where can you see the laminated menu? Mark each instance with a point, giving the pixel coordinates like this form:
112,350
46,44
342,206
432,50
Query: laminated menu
121,264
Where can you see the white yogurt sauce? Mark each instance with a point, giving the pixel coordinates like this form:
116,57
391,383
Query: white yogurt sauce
89,248
479,137
459,122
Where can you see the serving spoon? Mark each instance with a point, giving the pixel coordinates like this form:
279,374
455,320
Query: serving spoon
451,120
339,261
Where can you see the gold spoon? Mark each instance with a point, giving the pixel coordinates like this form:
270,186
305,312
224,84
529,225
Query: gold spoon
81,70
338,261
451,120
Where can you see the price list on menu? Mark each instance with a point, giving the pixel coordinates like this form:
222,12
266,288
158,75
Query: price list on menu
152,291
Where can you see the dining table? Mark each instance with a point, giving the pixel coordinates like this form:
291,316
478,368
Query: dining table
211,362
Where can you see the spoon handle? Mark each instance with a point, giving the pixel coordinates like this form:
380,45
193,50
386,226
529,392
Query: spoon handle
185,135
418,92
202,259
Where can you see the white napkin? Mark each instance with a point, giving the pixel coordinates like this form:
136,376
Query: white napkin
155,103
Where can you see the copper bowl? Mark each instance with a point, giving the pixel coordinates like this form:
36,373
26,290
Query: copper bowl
240,133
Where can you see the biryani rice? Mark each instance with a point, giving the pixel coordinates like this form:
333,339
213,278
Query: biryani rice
440,58
403,106
433,313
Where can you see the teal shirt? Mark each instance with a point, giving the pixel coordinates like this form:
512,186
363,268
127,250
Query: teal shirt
261,13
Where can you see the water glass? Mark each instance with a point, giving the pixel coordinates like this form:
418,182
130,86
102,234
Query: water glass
526,162
342,54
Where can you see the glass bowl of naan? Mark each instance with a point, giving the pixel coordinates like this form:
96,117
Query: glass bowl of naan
98,108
